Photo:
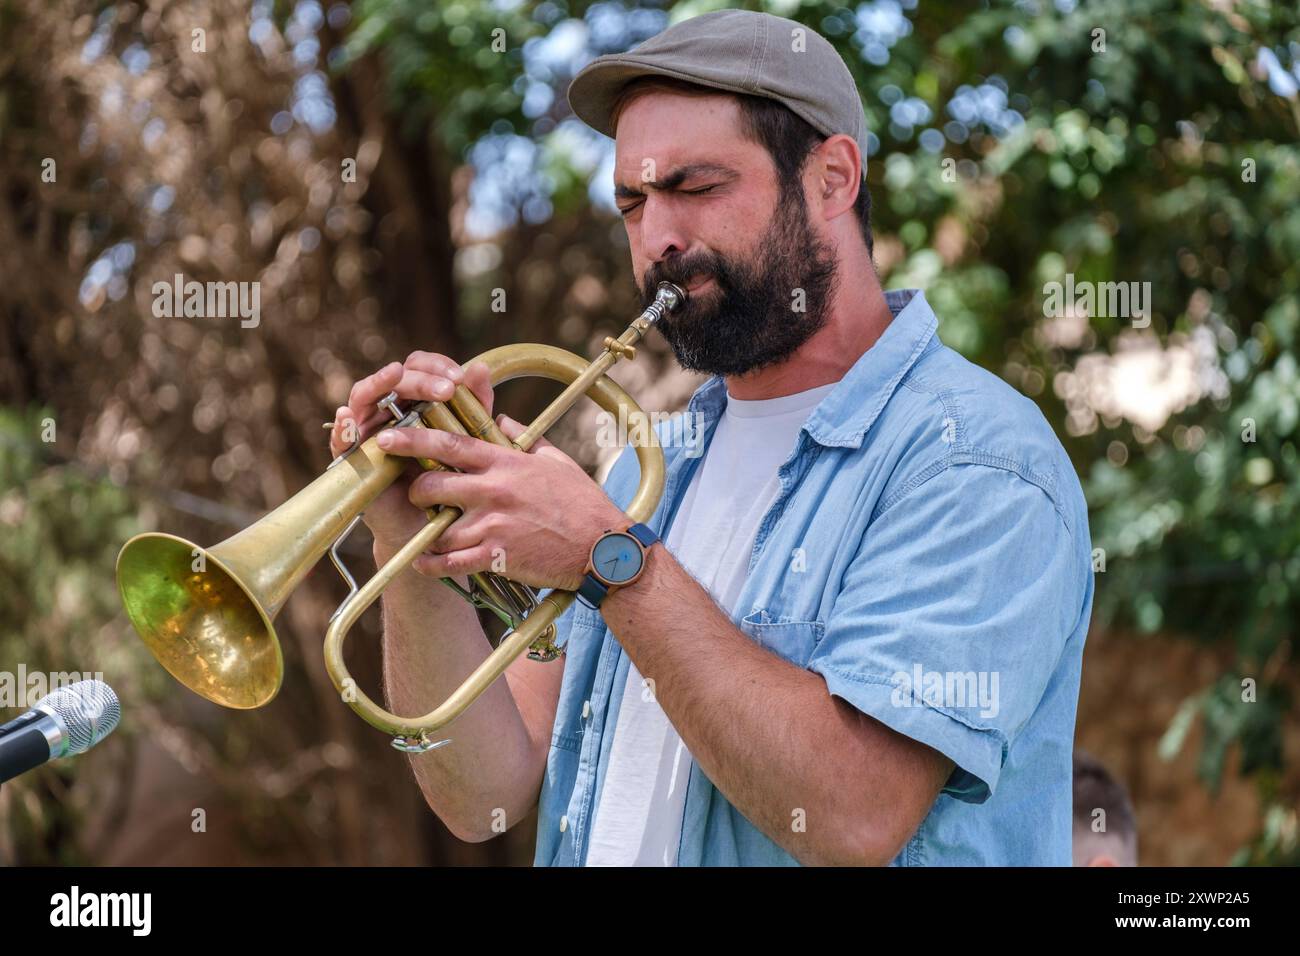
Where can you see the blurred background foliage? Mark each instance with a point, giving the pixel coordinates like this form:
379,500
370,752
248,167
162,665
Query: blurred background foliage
1012,144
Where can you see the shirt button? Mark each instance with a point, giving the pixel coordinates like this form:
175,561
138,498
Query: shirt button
564,823
586,709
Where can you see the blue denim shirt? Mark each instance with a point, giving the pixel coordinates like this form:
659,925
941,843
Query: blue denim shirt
928,555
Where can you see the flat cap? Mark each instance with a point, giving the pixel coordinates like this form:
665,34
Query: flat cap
738,51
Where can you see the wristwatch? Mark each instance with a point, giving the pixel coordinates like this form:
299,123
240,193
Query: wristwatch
617,559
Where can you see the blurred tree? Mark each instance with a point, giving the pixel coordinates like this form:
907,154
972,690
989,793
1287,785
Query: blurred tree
58,531
130,155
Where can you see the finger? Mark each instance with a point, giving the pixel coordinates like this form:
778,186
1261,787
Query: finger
344,429
464,491
461,534
409,442
513,429
478,379
347,430
421,386
366,393
350,430
468,561
433,363
458,451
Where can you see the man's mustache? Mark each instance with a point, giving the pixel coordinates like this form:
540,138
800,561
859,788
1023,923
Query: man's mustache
681,272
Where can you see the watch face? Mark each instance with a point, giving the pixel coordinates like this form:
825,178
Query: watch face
616,558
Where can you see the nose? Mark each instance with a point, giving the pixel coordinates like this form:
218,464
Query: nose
662,234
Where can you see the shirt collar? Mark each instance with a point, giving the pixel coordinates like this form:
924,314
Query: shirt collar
849,409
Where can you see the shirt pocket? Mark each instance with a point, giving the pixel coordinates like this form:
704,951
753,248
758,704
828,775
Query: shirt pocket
792,640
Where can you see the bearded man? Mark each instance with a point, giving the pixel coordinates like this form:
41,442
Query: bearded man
851,633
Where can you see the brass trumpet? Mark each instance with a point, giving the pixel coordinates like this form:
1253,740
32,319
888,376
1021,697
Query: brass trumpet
206,613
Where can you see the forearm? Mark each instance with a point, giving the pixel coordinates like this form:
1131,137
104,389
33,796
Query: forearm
768,735
432,642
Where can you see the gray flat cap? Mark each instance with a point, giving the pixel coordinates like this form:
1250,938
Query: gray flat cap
741,52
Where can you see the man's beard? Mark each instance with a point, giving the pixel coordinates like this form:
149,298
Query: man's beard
757,313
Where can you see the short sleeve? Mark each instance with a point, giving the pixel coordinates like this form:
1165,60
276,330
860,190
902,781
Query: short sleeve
953,615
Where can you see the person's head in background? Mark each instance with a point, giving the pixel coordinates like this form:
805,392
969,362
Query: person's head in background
1105,828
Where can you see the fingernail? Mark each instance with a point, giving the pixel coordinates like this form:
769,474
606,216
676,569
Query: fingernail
385,440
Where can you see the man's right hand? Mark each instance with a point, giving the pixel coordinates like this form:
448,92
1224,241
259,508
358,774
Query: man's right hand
423,377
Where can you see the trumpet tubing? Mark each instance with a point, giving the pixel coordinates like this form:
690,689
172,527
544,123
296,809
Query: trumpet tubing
207,614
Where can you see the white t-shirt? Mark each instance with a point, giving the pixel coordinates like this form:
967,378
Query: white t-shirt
638,816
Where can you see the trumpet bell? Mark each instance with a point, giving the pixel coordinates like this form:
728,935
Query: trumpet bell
202,623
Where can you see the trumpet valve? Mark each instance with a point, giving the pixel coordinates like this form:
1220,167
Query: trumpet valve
618,348
389,404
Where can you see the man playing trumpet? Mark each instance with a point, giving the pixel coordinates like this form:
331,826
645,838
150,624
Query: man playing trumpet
852,631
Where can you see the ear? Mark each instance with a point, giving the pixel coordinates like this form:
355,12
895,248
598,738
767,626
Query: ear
836,175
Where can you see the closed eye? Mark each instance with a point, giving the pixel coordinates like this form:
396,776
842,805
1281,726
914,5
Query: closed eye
624,211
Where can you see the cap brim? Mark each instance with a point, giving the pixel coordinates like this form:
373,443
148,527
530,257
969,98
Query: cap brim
596,88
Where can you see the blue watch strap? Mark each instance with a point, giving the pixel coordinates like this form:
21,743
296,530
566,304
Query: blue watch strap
643,534
591,591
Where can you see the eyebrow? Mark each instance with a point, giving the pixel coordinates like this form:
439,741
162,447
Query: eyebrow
676,178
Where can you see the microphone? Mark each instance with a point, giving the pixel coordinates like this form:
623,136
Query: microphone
65,722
